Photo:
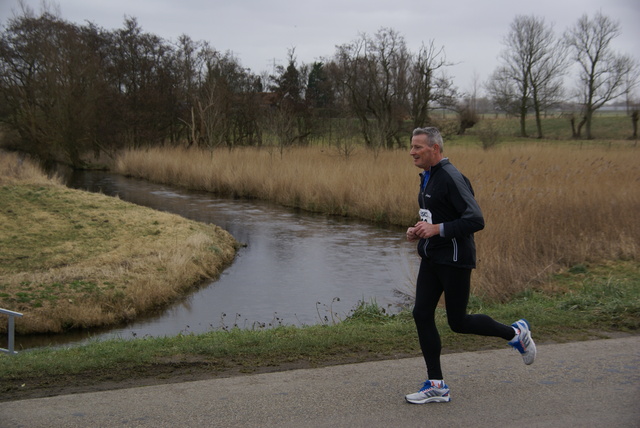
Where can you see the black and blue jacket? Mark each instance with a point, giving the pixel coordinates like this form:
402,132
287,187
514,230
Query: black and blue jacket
449,197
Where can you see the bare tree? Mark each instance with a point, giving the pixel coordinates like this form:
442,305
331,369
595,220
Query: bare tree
532,67
68,89
503,91
631,83
50,84
518,59
467,107
349,73
190,59
218,99
373,71
548,66
602,71
426,88
144,76
343,137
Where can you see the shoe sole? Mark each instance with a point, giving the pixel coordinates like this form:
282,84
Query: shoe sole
430,400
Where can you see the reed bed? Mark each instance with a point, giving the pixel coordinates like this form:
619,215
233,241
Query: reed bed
20,169
547,207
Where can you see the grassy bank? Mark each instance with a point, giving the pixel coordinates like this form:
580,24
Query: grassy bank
73,259
547,206
584,303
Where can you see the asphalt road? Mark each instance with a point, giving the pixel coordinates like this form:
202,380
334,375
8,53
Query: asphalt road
583,384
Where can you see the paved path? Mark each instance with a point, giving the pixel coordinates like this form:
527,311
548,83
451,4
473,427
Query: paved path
584,384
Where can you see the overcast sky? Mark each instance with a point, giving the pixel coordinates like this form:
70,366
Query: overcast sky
261,32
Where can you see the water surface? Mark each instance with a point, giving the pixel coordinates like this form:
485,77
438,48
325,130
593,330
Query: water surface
297,268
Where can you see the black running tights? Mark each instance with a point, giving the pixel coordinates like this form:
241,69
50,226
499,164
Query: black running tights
433,280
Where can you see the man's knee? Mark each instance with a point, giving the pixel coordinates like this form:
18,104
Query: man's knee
457,325
422,317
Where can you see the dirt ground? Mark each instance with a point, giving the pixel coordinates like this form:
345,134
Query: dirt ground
157,374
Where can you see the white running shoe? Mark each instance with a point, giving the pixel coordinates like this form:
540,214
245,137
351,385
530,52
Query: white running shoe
523,341
429,393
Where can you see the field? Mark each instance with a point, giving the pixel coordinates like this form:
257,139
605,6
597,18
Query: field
607,127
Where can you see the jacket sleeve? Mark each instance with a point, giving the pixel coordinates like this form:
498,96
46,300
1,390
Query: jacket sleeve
469,219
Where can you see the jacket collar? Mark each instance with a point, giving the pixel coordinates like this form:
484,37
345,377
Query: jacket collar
436,167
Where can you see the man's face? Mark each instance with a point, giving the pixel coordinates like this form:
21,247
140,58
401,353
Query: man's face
423,156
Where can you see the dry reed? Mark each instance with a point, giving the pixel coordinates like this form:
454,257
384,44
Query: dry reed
20,169
546,206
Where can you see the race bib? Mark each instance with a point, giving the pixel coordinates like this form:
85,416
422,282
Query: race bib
425,215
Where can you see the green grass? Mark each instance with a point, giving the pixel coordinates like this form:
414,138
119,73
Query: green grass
584,302
36,294
49,218
605,128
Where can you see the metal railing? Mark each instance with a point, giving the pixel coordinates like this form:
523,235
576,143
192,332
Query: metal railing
10,330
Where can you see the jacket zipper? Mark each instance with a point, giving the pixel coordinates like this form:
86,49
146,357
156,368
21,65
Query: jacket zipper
455,249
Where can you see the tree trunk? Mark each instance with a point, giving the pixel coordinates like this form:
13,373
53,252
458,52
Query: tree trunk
574,132
539,124
588,119
538,116
580,125
523,123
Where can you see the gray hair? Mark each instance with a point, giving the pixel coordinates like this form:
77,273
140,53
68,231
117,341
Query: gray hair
433,136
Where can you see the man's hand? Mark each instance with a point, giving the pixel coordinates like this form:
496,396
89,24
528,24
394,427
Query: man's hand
411,235
424,230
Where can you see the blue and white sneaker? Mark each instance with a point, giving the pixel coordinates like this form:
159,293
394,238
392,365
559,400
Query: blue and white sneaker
523,341
431,392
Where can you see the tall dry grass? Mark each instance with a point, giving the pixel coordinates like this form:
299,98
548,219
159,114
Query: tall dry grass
20,169
546,206
365,186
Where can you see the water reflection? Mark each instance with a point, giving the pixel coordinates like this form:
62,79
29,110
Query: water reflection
297,268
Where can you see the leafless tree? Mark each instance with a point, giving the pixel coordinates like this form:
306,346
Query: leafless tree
531,70
602,71
467,107
218,99
548,67
631,83
503,91
428,85
145,80
50,86
343,137
374,75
